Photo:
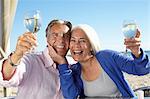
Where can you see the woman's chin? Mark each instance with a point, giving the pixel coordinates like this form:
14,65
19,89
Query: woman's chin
76,58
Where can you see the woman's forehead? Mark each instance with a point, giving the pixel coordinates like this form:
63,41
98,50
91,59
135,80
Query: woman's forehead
78,32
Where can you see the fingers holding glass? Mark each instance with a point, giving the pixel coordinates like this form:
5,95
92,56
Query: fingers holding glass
26,42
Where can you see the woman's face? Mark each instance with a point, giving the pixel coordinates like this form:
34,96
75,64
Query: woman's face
80,47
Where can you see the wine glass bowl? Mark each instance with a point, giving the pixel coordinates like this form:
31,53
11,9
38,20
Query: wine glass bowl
32,21
129,28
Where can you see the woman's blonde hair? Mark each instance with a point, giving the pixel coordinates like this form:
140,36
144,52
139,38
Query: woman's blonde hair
91,35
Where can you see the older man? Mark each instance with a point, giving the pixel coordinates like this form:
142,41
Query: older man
35,74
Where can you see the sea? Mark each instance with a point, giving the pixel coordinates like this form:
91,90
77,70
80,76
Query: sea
129,53
148,53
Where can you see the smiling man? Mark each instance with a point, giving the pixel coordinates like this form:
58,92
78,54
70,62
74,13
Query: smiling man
35,74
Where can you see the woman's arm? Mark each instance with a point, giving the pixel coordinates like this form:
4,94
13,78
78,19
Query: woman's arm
133,65
139,64
68,82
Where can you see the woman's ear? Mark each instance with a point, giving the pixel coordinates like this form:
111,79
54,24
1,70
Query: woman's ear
92,52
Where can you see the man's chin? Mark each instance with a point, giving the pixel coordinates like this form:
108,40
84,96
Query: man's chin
61,53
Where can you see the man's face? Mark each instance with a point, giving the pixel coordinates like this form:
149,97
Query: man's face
58,37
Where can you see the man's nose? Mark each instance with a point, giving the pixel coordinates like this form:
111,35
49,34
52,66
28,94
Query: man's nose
61,34
61,37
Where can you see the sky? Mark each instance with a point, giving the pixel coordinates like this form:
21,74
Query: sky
105,16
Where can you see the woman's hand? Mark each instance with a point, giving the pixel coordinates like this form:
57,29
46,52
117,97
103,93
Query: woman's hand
56,58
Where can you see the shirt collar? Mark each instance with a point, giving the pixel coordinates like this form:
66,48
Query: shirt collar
48,60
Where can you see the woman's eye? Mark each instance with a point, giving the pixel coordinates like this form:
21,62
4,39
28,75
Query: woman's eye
82,41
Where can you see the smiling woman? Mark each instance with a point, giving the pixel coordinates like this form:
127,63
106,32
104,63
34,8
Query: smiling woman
110,27
99,73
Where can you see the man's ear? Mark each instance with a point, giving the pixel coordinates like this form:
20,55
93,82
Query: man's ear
47,39
46,42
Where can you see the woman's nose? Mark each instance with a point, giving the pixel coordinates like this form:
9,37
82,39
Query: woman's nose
77,44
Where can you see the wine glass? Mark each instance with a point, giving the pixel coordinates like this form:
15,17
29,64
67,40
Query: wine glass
32,22
129,29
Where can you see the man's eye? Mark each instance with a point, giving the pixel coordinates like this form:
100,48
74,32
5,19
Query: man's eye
67,36
72,40
54,34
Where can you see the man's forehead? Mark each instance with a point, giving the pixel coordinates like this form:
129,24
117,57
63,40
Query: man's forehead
58,27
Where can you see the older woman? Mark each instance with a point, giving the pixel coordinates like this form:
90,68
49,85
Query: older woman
99,73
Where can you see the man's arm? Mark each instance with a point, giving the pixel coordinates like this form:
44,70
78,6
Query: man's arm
24,44
9,66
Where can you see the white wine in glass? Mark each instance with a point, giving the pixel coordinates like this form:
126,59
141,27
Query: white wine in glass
129,29
32,21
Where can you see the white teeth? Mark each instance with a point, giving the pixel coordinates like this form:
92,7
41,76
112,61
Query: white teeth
77,52
60,46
